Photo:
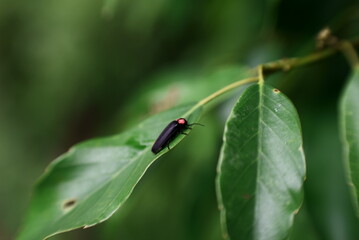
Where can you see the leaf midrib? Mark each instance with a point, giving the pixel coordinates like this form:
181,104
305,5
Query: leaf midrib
259,149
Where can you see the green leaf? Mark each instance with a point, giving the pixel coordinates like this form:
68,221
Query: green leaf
349,124
261,168
86,185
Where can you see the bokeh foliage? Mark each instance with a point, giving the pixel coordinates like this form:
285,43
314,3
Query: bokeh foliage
71,70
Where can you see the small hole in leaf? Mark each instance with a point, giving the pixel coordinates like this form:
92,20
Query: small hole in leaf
276,90
68,204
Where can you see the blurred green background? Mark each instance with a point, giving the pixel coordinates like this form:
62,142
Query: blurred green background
73,70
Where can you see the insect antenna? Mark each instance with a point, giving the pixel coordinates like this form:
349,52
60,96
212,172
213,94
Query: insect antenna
196,124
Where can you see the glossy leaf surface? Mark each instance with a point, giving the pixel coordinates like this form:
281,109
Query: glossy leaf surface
86,185
262,168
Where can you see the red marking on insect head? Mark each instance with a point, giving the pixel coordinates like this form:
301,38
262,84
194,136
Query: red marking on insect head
181,121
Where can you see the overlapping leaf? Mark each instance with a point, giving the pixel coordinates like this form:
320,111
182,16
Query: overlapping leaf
261,169
349,115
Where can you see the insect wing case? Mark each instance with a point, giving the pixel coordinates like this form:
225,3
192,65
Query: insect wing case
170,132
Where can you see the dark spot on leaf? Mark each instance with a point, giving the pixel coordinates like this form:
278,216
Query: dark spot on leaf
246,196
68,204
276,90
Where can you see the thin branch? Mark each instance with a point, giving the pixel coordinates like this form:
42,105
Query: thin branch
288,63
284,65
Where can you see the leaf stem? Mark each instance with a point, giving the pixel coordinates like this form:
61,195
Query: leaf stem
260,74
221,92
350,54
